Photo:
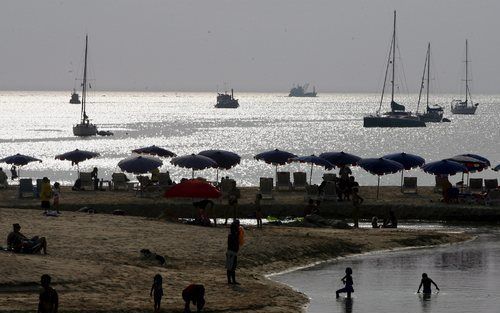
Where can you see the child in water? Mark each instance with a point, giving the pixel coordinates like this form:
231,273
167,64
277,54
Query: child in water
157,291
426,282
347,280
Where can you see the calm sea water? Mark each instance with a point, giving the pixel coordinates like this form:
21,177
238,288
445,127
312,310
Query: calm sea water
40,124
467,275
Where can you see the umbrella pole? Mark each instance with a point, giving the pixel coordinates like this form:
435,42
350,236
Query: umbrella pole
276,176
311,175
402,173
378,185
192,174
217,175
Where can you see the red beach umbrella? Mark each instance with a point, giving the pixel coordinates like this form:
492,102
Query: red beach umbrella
193,188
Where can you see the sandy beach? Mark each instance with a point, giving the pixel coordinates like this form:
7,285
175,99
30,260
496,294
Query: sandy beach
95,262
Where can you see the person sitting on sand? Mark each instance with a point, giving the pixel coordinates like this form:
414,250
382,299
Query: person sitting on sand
155,175
309,208
196,294
375,222
48,300
426,283
202,218
348,282
19,243
157,290
233,245
391,222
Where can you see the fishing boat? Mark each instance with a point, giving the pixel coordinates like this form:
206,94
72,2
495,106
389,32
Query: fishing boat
84,128
301,91
467,106
398,116
226,101
75,97
433,113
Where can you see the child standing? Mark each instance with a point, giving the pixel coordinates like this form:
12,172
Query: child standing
56,192
426,283
258,210
347,280
157,292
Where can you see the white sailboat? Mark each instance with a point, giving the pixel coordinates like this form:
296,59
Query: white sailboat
433,113
84,128
467,106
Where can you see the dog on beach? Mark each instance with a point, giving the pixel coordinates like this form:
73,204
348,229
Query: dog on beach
148,254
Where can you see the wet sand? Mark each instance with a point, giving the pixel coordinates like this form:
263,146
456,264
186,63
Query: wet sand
96,266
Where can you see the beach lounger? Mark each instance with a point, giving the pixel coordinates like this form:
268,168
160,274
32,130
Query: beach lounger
476,185
409,185
120,181
329,177
493,197
330,192
283,181
490,184
164,179
38,189
227,186
86,181
312,192
266,187
26,187
299,180
438,187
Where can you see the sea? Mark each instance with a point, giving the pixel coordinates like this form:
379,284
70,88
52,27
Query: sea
40,124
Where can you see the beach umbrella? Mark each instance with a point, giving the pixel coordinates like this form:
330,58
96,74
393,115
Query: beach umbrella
193,188
154,150
340,158
444,167
76,156
478,157
473,164
19,160
409,161
224,159
140,164
497,168
313,160
195,162
275,157
379,167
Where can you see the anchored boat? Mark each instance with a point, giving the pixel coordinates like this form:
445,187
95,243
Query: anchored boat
467,106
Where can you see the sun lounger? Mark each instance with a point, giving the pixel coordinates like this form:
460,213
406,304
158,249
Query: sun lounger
26,187
476,185
120,181
86,181
493,197
329,192
438,187
490,184
283,181
299,180
164,179
266,187
227,186
329,177
312,192
409,185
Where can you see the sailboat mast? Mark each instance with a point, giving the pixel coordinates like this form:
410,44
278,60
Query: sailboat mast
393,56
422,81
466,71
84,90
428,70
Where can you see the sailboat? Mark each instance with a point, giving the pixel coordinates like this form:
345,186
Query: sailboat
432,113
398,116
84,128
463,107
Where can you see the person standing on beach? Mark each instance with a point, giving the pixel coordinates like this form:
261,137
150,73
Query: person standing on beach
49,300
258,210
348,282
426,283
357,200
45,194
157,292
56,192
233,245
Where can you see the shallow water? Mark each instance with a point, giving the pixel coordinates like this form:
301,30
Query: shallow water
40,124
467,275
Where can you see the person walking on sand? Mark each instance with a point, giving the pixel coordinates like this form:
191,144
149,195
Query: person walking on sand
157,292
347,281
426,283
45,194
233,245
48,300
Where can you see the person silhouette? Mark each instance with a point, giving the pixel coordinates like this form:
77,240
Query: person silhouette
426,283
49,300
348,282
157,292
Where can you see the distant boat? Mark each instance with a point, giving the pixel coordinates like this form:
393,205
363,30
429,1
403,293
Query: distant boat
397,117
75,97
463,107
301,91
84,128
226,101
434,113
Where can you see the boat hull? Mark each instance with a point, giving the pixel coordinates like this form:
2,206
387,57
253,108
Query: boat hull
228,105
468,110
75,101
85,130
390,121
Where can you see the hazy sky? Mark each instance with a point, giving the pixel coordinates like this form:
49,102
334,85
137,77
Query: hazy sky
258,45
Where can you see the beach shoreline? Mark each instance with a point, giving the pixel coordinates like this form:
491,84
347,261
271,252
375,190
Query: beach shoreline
111,276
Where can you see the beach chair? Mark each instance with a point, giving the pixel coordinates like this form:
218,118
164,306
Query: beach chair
86,181
476,185
409,185
26,187
227,186
38,189
164,179
438,187
330,192
329,177
299,180
266,187
312,192
283,181
120,181
490,184
3,182
493,197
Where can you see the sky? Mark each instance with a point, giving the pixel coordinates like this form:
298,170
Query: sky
257,45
